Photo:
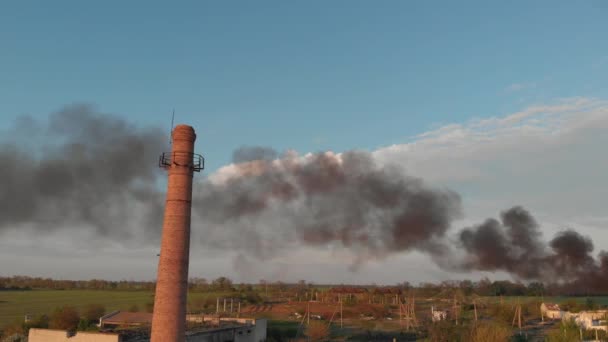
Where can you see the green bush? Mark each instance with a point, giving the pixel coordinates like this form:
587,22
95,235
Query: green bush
64,318
502,313
446,331
281,334
93,312
251,297
567,331
489,332
571,305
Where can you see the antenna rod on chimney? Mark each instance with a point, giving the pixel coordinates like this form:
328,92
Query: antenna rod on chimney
171,132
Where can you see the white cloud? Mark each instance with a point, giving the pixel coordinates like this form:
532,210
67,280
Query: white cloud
549,158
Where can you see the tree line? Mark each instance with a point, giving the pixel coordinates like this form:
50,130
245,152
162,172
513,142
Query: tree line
63,318
483,287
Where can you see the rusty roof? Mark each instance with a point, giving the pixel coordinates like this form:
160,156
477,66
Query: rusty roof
552,306
122,317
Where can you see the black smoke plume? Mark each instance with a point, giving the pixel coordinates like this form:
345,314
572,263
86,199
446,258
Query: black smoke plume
84,169
514,245
323,199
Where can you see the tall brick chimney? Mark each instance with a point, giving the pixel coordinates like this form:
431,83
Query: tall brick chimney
169,316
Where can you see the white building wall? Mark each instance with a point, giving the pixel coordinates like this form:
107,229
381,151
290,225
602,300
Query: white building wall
48,335
253,330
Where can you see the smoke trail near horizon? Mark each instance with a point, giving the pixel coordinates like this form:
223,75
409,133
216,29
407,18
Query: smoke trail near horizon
98,172
514,245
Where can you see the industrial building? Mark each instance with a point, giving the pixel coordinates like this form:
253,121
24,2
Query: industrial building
551,311
200,329
49,335
589,320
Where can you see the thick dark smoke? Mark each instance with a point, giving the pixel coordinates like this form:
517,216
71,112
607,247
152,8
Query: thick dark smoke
94,171
510,245
514,245
268,206
98,172
323,199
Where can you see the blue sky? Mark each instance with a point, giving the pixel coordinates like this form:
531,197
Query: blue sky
505,102
311,75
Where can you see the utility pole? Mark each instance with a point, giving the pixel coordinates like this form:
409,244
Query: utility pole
517,316
400,314
542,315
410,313
456,310
340,313
308,313
596,335
475,309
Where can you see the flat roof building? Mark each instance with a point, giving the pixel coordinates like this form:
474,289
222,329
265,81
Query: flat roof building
120,326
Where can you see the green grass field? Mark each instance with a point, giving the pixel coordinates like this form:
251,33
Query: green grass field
15,304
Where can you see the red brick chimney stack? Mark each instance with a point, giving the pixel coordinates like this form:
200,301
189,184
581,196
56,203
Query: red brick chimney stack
169,317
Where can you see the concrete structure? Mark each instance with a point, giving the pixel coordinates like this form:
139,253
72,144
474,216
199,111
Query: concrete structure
592,320
202,328
551,311
169,316
48,335
439,315
125,319
230,329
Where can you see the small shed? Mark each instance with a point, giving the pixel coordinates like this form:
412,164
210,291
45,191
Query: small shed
551,311
439,315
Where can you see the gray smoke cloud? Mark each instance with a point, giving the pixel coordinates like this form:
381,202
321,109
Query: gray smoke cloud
251,153
93,170
514,245
508,245
88,170
323,199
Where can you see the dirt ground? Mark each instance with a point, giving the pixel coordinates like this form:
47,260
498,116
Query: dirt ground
536,330
325,310
370,317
